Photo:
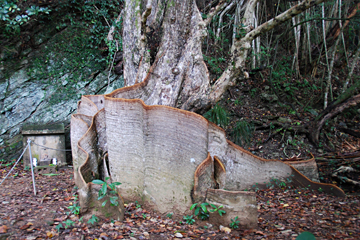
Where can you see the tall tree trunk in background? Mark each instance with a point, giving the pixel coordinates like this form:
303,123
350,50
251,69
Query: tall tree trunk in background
162,44
335,31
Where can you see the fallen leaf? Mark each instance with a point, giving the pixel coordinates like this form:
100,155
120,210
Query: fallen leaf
103,235
178,235
49,234
3,229
24,227
225,229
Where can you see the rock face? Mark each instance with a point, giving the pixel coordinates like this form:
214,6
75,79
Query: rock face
25,101
41,80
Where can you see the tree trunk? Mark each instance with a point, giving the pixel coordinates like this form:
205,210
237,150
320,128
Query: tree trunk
162,44
335,31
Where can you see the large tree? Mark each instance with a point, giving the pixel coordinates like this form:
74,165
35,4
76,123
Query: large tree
162,48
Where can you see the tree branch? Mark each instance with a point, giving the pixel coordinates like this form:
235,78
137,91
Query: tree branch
217,9
272,23
314,130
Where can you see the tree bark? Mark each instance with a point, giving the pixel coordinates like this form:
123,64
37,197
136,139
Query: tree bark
162,43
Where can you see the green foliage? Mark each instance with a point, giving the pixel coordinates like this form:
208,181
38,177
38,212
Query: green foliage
4,163
189,219
238,102
242,132
169,215
59,226
253,92
217,115
306,236
241,31
74,32
203,210
93,220
75,207
279,183
234,223
137,205
104,191
214,63
69,223
12,17
66,64
95,17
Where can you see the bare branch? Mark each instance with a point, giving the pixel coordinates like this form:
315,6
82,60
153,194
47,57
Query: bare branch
290,13
217,9
110,35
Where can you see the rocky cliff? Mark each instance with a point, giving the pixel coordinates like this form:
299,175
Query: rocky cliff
43,82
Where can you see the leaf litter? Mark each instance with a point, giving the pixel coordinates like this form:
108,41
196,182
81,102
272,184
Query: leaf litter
283,213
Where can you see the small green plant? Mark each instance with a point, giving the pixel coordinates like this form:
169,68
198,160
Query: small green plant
169,215
306,236
144,216
217,115
320,189
282,184
103,191
137,205
59,226
93,220
234,223
189,219
74,209
202,210
237,102
217,209
256,187
69,223
253,92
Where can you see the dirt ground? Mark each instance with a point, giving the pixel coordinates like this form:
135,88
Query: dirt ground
282,214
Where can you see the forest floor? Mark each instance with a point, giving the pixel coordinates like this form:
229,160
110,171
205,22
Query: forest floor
283,213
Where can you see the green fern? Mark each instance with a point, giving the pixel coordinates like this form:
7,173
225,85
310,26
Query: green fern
217,115
243,132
